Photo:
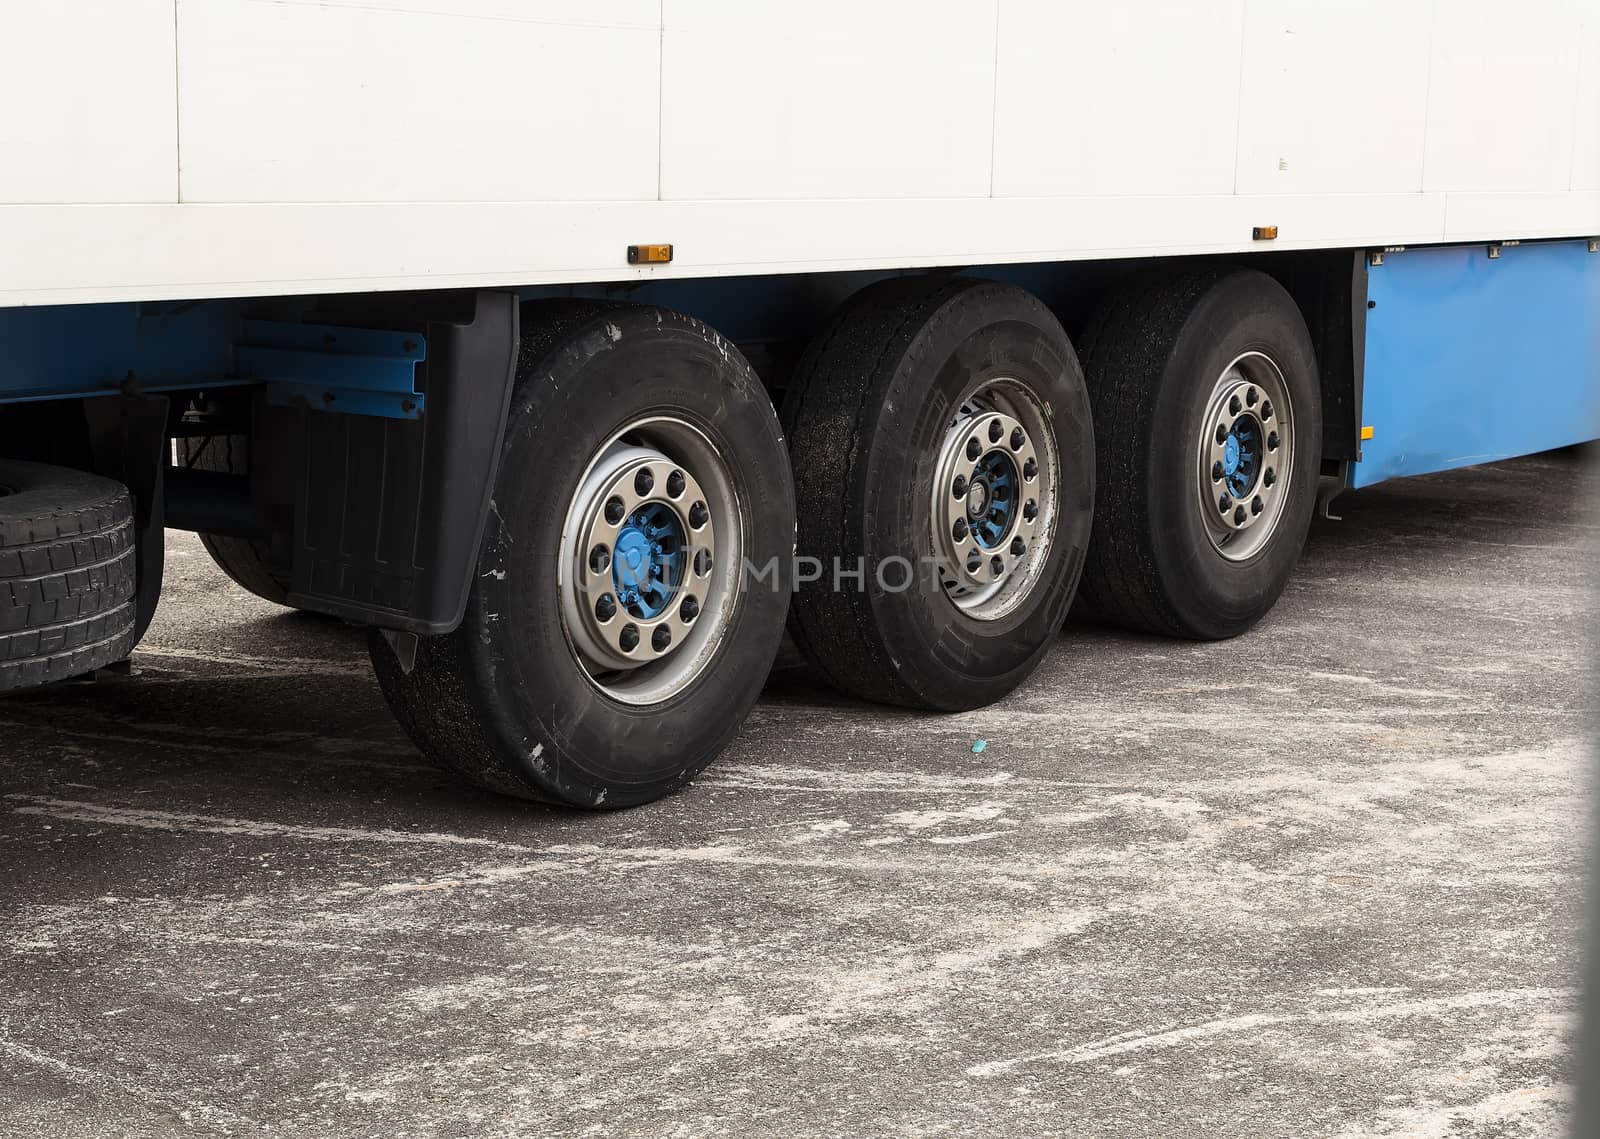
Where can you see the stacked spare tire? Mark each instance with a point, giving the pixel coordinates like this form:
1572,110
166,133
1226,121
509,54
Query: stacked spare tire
67,573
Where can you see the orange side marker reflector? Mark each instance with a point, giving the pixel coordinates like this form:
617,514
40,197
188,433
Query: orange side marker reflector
1265,233
649,254
1366,433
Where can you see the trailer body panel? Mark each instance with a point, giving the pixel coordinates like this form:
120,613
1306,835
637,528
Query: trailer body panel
1473,358
230,148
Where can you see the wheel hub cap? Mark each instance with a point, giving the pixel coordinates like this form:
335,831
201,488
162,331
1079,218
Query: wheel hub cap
645,554
648,567
977,501
994,484
993,503
1241,456
1245,457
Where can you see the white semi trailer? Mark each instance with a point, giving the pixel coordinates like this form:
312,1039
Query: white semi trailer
558,341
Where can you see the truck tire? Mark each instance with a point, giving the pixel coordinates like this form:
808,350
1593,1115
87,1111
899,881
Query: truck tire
1207,412
939,423
613,641
248,563
67,569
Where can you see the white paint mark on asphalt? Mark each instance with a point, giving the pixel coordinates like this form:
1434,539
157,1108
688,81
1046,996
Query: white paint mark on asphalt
925,820
776,776
283,666
1070,818
27,1055
188,937
1374,686
491,988
913,980
214,824
1143,1041
82,1077
1176,809
637,857
1537,1110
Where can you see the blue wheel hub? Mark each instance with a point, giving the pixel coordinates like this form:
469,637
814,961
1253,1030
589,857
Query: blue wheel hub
992,499
1241,456
649,561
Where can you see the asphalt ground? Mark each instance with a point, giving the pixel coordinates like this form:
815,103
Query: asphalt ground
1321,880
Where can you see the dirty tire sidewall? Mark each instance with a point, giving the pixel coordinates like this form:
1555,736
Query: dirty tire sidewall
1151,368
519,714
874,401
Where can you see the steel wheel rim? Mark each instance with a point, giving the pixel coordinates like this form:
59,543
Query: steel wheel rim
650,553
1245,456
995,498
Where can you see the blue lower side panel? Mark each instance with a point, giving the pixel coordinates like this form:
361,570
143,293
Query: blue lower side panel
83,351
1471,359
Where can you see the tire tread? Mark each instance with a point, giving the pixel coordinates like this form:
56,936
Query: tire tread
1126,349
67,575
852,359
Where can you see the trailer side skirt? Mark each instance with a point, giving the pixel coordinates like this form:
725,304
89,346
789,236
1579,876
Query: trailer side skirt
1479,353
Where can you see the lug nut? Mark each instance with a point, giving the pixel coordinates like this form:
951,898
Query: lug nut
702,562
1270,477
995,431
974,448
1266,409
1017,438
959,530
699,515
606,608
614,510
997,565
689,610
1250,396
644,482
1216,472
1255,505
974,560
1234,406
959,487
1018,547
1031,510
599,559
628,638
1272,441
675,484
1238,516
661,638
1222,434
1223,503
1030,469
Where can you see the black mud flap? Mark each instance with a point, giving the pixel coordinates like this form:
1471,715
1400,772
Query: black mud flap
128,441
389,513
